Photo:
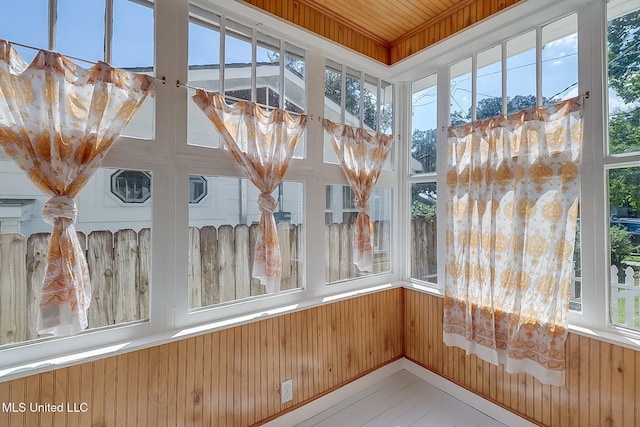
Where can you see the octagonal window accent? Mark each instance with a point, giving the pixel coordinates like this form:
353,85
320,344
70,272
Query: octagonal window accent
131,186
197,188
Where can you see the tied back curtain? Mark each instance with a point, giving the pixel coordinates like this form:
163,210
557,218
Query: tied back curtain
262,143
512,209
362,157
57,122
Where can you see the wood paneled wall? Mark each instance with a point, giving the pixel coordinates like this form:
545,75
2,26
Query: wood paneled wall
602,385
226,378
454,19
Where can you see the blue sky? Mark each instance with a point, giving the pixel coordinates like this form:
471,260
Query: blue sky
80,33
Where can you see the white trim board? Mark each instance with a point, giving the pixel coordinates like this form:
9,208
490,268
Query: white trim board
327,401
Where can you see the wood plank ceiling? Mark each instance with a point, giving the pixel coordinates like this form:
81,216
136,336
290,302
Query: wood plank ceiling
385,30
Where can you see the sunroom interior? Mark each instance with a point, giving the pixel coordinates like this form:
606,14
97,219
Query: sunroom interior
180,329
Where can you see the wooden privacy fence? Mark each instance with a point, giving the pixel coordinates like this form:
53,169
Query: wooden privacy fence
219,270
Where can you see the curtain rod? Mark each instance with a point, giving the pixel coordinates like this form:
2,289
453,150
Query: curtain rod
163,79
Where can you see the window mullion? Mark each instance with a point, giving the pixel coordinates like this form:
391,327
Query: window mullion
108,31
223,36
474,86
254,64
539,66
53,17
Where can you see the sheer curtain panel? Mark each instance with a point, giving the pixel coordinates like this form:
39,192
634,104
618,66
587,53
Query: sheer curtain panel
57,122
262,143
362,156
513,188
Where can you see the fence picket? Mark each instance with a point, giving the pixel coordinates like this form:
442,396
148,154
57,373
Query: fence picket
100,261
37,248
226,258
125,274
284,238
194,272
242,265
144,272
13,289
210,265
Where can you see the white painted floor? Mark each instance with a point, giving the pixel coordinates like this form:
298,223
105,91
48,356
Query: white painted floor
401,400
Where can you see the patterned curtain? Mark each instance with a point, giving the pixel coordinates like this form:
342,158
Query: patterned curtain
362,157
57,122
513,189
262,143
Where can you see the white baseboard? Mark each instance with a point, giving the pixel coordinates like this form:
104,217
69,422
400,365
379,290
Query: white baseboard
327,401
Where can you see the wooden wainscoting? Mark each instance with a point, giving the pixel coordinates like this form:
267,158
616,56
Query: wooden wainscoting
602,385
226,378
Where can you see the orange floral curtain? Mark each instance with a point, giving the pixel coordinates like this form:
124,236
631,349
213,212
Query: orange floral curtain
512,209
57,122
262,143
362,157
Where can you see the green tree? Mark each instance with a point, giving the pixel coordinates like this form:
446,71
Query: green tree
624,123
491,107
624,56
621,246
423,148
353,92
423,211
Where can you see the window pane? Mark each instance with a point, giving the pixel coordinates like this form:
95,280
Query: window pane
560,60
15,14
386,107
624,77
132,48
352,98
489,83
575,295
424,263
222,231
424,125
521,72
295,89
294,80
79,17
204,69
341,210
116,237
237,61
370,103
332,107
461,92
624,238
268,71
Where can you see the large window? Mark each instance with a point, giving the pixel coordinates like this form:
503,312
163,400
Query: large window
222,233
623,162
124,39
116,241
339,232
252,69
422,180
535,74
357,99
